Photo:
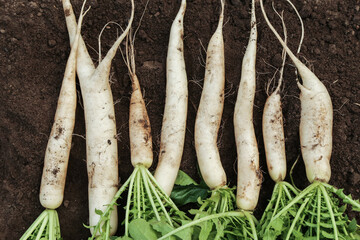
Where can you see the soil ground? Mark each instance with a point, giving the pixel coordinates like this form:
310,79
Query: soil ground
34,47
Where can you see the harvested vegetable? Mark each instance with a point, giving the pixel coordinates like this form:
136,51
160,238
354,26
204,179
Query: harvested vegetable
274,142
57,153
101,141
207,125
317,211
175,112
249,174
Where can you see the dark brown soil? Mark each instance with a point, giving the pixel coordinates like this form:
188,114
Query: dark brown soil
34,48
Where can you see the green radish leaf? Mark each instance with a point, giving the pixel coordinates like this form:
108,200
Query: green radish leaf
182,195
98,212
163,228
205,230
183,179
327,235
197,211
186,190
327,225
277,225
120,238
220,227
297,234
348,199
352,226
185,234
269,235
357,235
86,226
140,229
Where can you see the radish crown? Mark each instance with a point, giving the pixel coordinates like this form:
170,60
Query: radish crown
145,200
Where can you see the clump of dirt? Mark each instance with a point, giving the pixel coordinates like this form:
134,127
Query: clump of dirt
34,48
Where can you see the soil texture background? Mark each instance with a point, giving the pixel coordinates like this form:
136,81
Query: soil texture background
34,47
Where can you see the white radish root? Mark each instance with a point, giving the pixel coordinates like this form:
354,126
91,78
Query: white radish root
210,110
316,118
274,140
249,174
59,144
47,225
273,129
175,112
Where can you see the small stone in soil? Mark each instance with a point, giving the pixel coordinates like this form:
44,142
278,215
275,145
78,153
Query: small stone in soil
52,43
33,5
66,203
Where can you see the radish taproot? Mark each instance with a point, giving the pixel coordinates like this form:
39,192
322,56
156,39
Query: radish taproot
317,209
207,123
58,151
249,174
174,121
273,128
274,142
101,140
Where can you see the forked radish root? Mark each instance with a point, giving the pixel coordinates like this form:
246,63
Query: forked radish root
58,152
101,141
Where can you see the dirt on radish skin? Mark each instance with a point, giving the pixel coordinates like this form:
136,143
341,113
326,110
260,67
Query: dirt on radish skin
35,46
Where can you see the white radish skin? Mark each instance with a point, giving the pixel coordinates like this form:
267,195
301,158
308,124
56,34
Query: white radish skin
316,118
273,128
59,144
101,147
174,120
274,140
101,142
139,128
249,174
210,110
316,132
